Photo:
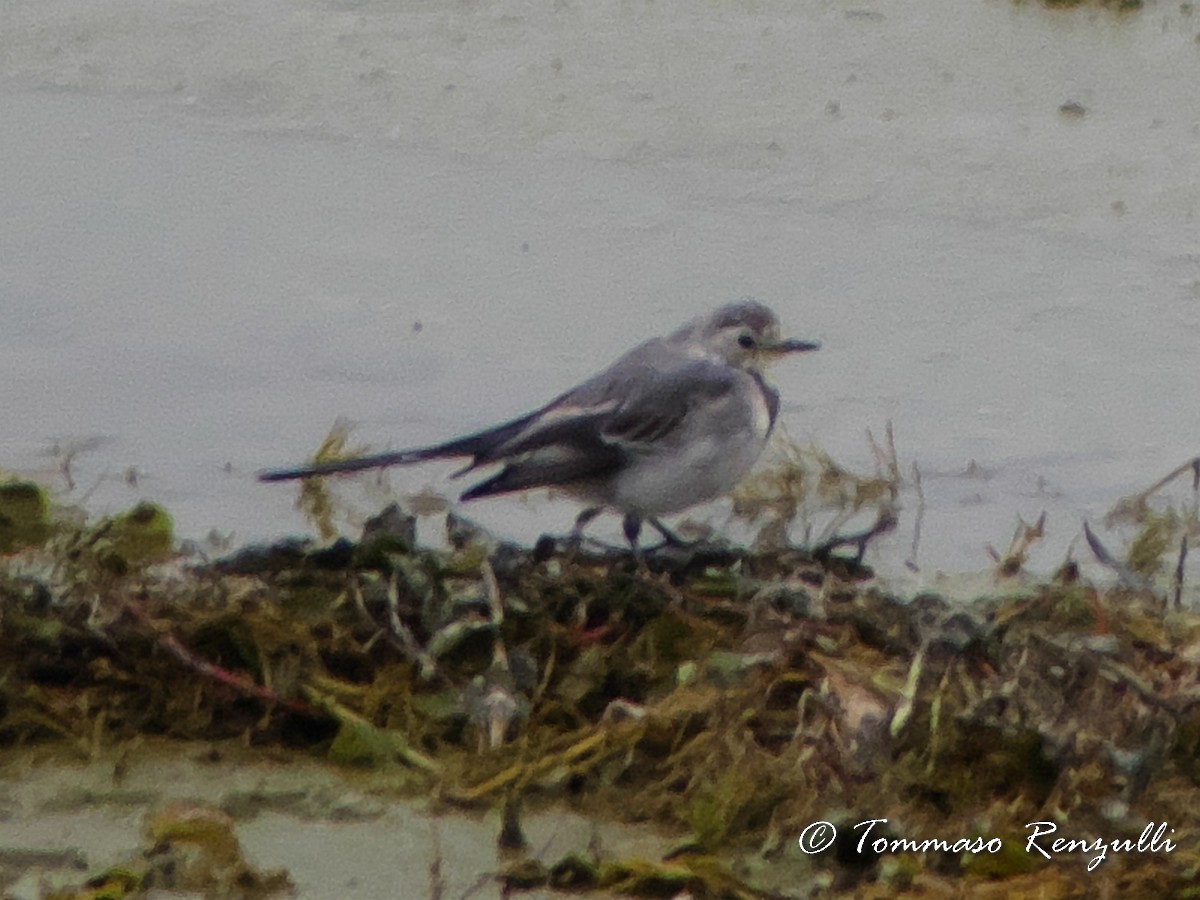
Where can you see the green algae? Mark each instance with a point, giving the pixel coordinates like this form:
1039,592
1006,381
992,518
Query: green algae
1155,538
127,542
24,515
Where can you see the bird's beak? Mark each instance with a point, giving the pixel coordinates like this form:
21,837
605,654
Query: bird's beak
790,345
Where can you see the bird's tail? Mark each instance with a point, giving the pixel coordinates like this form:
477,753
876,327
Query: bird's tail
479,445
337,466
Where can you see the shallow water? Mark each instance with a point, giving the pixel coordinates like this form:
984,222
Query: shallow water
226,225
334,837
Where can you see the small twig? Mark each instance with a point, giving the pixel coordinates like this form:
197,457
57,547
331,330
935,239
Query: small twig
1193,464
893,458
1098,613
428,668
911,562
1126,575
885,523
829,536
64,469
1138,501
886,461
175,647
1023,539
437,883
596,743
397,742
484,880
1195,489
1183,551
595,845
544,683
397,633
491,588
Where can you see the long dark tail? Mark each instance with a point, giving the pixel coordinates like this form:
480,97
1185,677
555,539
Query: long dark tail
479,445
338,466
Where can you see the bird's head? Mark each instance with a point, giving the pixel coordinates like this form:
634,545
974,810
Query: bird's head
744,334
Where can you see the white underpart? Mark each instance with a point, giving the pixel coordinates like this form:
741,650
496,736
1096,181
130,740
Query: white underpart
762,415
701,464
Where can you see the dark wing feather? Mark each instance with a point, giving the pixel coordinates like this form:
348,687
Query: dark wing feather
566,451
589,433
543,470
659,402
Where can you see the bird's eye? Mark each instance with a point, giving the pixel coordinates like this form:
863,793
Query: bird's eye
746,342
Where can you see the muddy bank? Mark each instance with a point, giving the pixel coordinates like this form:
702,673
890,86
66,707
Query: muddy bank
750,705
326,832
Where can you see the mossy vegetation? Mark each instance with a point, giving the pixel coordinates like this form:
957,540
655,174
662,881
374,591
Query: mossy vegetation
734,696
24,515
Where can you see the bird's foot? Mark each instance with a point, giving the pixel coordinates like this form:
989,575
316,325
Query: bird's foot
823,552
573,544
670,538
686,557
574,547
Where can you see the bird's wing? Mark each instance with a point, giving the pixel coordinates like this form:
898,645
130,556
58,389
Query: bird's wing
570,416
560,444
638,400
660,401
592,431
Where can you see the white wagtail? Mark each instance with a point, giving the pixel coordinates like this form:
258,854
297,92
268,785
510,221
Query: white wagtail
676,421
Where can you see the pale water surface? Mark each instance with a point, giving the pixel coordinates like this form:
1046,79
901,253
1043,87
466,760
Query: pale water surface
337,838
223,225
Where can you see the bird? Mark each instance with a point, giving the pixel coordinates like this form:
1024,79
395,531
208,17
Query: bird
674,422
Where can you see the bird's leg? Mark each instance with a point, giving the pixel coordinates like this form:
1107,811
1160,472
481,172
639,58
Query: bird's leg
632,527
575,538
672,539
